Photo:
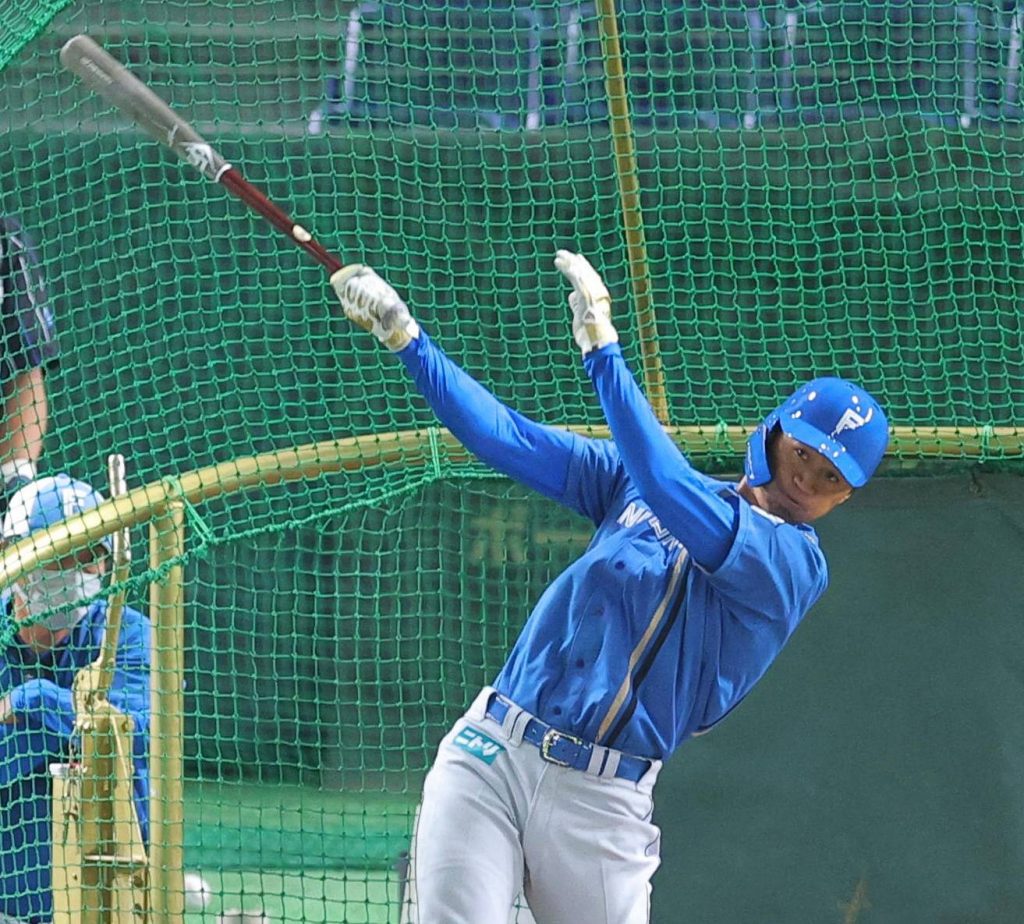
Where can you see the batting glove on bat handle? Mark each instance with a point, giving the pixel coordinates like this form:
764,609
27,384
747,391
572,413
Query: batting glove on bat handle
589,300
370,302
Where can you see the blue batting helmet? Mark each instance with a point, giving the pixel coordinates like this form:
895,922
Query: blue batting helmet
46,501
833,416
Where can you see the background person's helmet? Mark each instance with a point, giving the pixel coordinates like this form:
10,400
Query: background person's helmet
832,416
46,501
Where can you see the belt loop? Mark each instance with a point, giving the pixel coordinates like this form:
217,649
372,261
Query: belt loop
598,755
515,725
511,714
483,699
611,765
650,777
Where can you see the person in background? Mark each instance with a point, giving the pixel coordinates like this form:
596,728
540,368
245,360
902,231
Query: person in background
59,631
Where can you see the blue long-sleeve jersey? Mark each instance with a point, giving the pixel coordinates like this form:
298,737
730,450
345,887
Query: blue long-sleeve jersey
686,592
40,691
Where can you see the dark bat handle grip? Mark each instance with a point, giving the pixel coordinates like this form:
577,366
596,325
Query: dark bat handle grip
249,194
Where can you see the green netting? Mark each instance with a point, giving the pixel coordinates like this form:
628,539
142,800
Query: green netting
23,21
827,188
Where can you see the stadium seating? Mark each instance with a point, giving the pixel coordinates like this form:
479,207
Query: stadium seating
711,62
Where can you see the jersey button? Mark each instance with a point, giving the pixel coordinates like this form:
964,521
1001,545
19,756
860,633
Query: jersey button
557,710
579,662
619,565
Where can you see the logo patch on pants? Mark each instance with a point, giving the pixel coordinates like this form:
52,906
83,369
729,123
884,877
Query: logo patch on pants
478,744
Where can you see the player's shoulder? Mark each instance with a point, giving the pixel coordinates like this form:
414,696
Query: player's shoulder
800,538
804,529
597,454
718,485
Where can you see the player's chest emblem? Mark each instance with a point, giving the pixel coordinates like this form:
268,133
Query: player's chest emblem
478,744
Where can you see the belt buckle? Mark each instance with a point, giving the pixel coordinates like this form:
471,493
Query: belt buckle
551,736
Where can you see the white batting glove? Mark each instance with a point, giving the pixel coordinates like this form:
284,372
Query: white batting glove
589,300
372,304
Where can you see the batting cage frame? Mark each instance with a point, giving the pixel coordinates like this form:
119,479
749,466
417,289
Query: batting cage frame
174,507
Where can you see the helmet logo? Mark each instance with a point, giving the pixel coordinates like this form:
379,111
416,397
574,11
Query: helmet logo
851,420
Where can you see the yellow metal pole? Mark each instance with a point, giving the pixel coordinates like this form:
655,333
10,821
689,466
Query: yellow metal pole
122,566
632,214
110,883
166,764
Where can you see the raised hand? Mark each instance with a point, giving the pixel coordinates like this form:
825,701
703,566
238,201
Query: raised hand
371,303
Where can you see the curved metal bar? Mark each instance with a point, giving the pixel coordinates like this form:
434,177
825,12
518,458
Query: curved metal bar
412,448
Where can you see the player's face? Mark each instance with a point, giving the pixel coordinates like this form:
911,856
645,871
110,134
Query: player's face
39,636
804,486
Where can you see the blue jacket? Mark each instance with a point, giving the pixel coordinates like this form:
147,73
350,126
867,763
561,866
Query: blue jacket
40,690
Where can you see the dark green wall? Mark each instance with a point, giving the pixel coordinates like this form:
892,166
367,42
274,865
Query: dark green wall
886,746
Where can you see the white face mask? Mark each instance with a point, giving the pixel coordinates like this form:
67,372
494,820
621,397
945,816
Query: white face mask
44,590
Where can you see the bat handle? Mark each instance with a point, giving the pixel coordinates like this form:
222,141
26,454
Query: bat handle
249,194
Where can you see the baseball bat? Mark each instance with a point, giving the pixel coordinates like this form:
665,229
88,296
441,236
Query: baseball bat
102,74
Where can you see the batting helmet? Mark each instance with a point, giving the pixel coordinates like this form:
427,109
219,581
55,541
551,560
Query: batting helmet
46,501
833,416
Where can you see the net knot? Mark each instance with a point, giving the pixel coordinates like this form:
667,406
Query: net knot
199,527
985,436
434,442
722,441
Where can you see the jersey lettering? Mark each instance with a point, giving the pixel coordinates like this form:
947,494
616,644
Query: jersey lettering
634,515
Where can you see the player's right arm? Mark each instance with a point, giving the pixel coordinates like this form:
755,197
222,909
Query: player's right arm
559,464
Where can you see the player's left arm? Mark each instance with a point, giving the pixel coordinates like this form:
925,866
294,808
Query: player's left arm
581,473
773,575
698,517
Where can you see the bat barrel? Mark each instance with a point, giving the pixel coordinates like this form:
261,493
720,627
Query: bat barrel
116,84
101,73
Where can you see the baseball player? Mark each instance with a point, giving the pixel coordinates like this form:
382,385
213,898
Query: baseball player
685,595
29,348
61,636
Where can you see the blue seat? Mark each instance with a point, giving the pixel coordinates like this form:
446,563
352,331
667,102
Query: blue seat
458,63
500,64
